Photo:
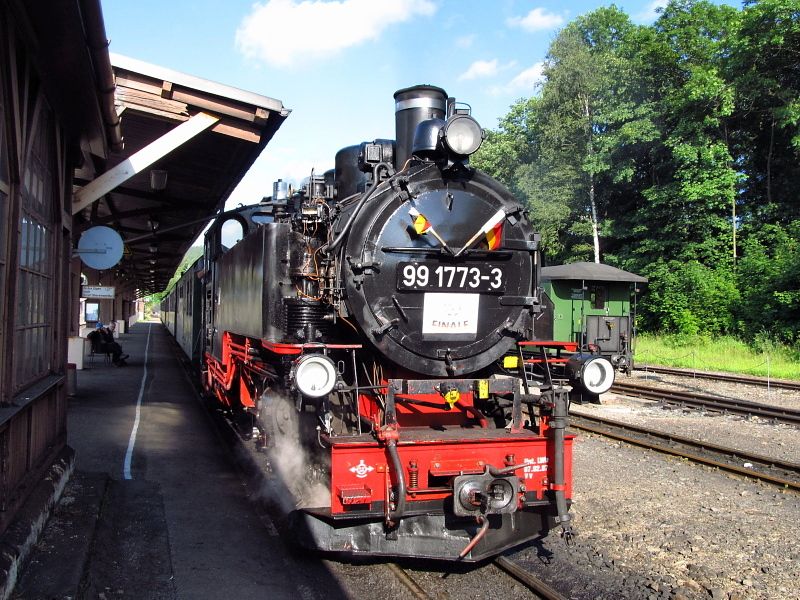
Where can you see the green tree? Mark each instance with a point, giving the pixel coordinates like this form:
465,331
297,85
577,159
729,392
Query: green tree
513,154
692,177
763,65
689,298
512,145
586,105
769,279
569,150
662,141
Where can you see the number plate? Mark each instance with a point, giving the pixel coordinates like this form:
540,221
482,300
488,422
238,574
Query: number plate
475,277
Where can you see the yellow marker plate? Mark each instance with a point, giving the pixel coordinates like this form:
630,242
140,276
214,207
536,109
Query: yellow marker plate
452,397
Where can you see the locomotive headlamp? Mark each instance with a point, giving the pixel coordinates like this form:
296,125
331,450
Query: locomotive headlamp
462,134
595,374
314,375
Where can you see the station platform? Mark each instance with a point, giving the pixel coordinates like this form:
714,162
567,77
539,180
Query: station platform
155,507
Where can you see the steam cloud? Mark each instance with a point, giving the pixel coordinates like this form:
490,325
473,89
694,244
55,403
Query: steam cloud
296,479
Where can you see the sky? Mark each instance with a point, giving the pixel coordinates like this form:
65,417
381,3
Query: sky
337,64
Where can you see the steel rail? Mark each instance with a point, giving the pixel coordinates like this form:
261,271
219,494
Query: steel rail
788,475
720,404
412,586
528,579
747,379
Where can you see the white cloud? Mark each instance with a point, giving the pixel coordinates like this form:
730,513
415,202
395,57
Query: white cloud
650,14
480,68
536,20
525,81
283,33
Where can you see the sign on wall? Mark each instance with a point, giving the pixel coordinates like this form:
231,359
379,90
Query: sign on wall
97,291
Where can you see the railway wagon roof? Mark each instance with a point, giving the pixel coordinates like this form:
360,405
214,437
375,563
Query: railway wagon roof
589,271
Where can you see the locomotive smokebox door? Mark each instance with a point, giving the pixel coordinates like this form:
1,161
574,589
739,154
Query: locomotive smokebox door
433,311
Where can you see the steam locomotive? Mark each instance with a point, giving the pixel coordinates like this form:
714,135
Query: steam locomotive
381,323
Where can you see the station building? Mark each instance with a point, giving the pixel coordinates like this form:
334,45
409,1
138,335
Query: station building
91,139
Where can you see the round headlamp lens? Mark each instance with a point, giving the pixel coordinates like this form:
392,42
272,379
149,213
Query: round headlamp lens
315,375
597,375
462,134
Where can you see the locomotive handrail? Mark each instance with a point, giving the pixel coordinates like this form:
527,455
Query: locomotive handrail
368,388
551,360
440,252
568,346
329,248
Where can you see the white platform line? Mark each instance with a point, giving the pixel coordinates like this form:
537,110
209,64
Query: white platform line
126,470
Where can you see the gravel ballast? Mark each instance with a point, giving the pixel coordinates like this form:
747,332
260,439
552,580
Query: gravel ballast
657,527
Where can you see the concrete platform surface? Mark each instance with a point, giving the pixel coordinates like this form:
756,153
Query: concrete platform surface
156,508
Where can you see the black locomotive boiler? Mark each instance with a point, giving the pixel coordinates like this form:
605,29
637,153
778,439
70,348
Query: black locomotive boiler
381,322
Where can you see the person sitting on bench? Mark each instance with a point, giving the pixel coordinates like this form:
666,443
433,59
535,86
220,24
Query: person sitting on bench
110,345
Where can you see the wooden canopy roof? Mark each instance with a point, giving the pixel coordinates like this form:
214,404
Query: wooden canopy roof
202,166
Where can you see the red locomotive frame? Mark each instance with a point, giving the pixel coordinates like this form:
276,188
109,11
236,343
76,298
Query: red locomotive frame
425,434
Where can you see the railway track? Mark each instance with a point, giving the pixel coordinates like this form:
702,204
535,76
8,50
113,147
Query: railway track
753,466
708,402
747,379
510,567
533,583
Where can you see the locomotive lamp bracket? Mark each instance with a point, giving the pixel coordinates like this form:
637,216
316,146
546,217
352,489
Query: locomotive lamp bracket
515,331
517,300
401,189
385,327
364,265
446,354
523,245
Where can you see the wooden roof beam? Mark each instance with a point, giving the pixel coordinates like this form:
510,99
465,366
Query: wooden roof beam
141,160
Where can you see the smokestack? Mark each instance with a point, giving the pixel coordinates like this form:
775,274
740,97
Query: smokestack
412,106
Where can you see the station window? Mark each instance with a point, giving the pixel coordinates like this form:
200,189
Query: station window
33,332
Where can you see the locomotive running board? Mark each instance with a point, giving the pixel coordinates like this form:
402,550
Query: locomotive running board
436,537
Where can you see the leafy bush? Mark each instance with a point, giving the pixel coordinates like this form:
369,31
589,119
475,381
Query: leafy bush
768,275
690,299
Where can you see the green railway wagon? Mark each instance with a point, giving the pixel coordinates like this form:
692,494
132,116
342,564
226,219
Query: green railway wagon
594,305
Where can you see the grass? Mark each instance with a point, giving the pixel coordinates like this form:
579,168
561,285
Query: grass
719,354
